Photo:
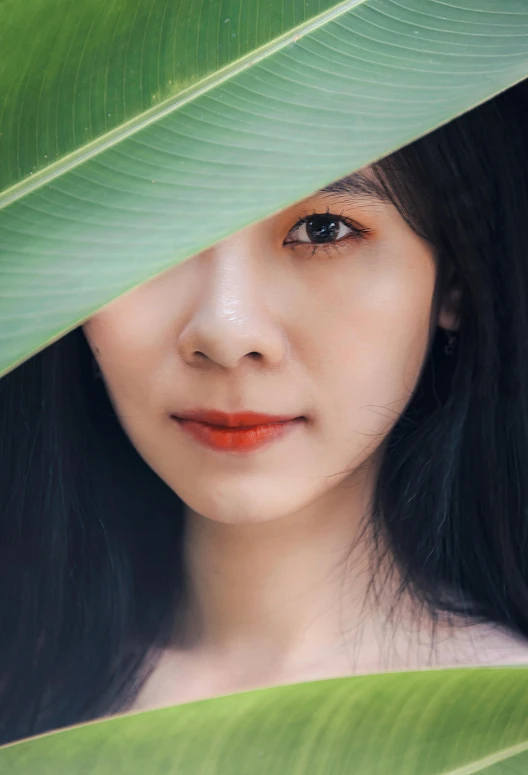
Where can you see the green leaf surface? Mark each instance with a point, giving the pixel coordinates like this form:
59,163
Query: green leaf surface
437,722
134,133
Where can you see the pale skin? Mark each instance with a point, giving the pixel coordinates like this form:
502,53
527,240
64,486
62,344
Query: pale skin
277,565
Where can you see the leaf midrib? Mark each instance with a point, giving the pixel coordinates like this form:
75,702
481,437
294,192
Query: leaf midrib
488,761
146,118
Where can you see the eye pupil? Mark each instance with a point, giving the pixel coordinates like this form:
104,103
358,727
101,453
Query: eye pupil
322,228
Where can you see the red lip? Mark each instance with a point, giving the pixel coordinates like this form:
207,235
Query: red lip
233,420
237,432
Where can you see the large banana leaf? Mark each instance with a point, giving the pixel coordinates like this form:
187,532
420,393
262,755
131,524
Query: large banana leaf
134,133
438,722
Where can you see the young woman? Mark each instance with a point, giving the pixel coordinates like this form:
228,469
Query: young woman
300,454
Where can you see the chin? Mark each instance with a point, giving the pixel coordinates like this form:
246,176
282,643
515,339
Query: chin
242,505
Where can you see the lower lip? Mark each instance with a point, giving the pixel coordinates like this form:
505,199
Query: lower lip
236,439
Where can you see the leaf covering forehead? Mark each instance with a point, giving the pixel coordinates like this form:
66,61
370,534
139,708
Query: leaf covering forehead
134,133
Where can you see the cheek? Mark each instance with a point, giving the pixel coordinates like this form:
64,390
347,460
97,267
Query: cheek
135,333
380,333
127,338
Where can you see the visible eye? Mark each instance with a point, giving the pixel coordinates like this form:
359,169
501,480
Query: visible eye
322,229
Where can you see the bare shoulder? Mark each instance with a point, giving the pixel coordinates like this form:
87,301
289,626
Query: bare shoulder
491,644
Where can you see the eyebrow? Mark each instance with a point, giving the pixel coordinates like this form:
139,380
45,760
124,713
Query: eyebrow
359,185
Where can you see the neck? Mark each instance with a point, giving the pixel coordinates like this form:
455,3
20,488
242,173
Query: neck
281,592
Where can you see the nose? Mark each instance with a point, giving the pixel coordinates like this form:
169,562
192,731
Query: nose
230,321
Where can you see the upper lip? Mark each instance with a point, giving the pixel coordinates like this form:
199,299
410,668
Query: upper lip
233,419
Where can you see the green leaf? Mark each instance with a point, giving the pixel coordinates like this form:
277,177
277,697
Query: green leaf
134,133
437,722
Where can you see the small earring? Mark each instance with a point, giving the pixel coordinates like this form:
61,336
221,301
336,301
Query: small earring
449,349
95,369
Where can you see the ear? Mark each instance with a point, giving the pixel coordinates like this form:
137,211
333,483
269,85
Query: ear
449,312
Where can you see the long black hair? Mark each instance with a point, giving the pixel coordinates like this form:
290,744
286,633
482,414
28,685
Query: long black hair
91,561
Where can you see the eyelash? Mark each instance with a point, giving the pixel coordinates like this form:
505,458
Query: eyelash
328,247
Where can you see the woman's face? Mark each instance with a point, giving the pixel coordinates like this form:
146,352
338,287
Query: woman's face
321,312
